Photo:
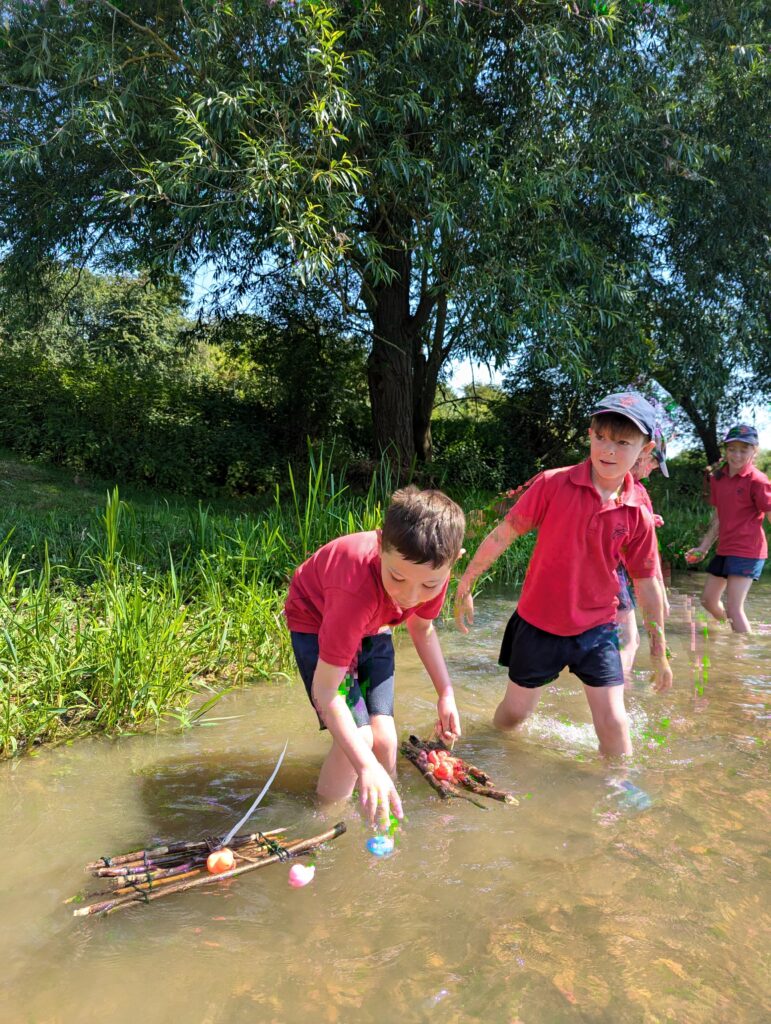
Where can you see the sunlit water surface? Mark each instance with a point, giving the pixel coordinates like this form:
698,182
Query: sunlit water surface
573,906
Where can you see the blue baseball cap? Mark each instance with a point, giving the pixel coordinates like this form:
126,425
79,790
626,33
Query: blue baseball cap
742,432
639,411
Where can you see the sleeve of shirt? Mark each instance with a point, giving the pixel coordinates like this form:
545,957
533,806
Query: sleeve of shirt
646,497
641,551
712,491
430,609
761,494
347,618
528,512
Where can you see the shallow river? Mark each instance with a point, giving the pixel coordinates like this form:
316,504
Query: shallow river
577,905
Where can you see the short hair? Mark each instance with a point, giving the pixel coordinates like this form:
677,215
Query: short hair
424,526
617,424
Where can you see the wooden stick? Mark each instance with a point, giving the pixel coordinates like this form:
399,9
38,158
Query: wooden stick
138,856
475,781
128,889
444,789
295,849
478,774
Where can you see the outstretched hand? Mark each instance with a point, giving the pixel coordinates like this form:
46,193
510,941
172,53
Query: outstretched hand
662,676
378,796
448,720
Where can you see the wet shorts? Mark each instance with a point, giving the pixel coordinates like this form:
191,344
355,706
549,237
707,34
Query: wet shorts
626,598
733,565
535,657
369,690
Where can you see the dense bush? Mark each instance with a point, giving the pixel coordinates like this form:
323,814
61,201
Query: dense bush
109,378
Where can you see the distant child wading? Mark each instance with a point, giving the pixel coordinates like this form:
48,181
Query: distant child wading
741,495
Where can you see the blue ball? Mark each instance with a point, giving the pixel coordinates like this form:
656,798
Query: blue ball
380,846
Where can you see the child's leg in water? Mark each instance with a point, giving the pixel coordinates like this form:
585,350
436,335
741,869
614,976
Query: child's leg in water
518,703
737,588
711,596
628,640
337,778
610,719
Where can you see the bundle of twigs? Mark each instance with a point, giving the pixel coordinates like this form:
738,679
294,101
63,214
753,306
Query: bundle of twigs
146,875
458,778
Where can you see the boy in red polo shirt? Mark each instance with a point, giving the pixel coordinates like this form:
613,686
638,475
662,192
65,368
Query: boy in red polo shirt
741,495
589,518
341,606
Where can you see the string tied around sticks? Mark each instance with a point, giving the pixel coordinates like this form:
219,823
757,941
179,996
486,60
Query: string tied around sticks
274,847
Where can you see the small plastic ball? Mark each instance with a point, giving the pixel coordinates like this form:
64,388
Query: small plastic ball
380,846
220,861
301,874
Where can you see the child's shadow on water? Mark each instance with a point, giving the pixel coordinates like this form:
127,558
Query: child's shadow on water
206,796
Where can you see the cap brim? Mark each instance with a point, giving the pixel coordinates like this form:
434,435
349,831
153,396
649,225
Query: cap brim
625,414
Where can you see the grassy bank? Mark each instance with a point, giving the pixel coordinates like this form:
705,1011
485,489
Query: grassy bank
117,612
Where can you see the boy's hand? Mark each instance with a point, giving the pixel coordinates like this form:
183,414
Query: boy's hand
448,724
464,610
662,674
694,555
378,796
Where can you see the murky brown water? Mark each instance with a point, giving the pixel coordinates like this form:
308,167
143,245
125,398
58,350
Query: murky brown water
570,907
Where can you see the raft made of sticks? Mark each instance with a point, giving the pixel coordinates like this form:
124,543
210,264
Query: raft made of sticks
146,875
466,779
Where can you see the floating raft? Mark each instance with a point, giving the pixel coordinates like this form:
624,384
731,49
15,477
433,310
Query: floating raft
146,875
457,778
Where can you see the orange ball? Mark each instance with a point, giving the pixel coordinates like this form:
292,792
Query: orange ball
220,861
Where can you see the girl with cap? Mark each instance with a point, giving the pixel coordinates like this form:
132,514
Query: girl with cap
741,496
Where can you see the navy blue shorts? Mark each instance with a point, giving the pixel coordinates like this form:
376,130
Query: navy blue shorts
626,598
369,690
733,565
535,657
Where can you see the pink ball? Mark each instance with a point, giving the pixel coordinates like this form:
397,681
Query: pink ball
300,875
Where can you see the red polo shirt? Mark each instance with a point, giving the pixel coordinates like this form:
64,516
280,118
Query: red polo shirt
741,502
571,583
338,593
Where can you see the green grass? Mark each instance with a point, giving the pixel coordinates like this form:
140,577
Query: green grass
115,613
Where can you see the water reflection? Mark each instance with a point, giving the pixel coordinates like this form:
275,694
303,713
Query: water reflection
573,906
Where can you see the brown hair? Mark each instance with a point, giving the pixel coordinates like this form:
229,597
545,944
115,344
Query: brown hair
617,424
424,526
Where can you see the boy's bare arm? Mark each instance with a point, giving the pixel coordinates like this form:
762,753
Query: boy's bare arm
650,599
426,641
696,554
491,548
377,791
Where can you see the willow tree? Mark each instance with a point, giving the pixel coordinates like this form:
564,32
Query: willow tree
461,175
708,289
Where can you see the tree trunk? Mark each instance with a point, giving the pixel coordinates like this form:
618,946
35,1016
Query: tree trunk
402,380
390,372
426,379
705,425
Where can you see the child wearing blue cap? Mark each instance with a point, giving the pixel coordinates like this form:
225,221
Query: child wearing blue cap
589,517
741,496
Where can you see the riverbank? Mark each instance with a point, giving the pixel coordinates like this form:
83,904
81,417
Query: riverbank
119,613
